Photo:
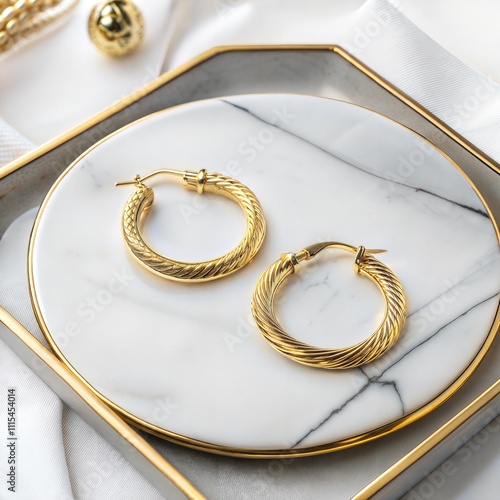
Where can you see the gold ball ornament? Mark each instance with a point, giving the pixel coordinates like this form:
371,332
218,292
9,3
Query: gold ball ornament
116,27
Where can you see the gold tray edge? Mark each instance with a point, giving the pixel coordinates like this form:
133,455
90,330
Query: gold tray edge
174,73
429,443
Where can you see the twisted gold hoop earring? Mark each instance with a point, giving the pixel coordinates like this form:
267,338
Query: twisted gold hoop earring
384,337
206,270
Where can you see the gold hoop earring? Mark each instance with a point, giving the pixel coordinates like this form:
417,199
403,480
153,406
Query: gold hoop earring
201,181
384,337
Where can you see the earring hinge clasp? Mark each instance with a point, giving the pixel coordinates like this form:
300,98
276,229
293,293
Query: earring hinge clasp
196,179
313,250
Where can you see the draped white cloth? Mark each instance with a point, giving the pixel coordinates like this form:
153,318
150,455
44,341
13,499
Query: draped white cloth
52,85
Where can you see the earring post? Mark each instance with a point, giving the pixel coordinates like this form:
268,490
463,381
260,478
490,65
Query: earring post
125,183
314,249
139,179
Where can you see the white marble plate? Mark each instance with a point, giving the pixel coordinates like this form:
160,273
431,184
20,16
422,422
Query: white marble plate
185,360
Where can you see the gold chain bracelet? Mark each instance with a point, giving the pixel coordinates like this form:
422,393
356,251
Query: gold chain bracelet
20,18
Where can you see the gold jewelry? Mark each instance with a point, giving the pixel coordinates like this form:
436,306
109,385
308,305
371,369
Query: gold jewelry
21,18
194,271
116,27
384,337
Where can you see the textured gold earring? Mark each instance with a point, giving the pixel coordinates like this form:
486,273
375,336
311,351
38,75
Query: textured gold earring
384,337
194,271
116,27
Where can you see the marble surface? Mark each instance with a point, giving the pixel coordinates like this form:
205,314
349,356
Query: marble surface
187,357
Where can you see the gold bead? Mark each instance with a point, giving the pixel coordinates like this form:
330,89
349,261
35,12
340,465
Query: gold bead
116,27
20,5
5,16
12,26
4,38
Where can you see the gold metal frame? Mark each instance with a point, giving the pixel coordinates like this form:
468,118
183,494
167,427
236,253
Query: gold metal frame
172,75
428,444
263,453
